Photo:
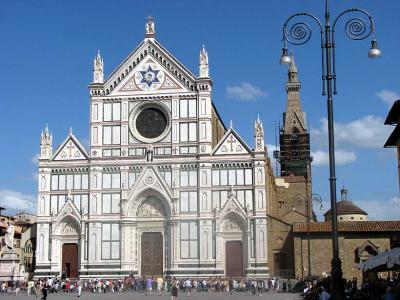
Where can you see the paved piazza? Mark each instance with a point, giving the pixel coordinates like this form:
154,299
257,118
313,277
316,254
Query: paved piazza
139,296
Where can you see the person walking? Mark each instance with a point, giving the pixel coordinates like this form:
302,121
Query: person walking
260,286
79,286
149,283
160,285
174,290
44,289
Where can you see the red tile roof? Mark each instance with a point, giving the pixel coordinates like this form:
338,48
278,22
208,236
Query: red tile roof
349,226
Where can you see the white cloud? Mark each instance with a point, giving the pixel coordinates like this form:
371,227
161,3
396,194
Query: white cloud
388,96
342,157
244,92
366,132
17,201
35,158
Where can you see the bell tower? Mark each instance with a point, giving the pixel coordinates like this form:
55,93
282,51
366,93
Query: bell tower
294,138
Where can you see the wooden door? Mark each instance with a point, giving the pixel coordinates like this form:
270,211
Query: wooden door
152,254
234,259
70,260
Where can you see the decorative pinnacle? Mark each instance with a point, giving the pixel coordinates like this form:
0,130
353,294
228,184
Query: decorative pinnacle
70,130
292,67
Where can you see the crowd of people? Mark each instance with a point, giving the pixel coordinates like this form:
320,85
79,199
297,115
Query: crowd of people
146,285
317,289
370,289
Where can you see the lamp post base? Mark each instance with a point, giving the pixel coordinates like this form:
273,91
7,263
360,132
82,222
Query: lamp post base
337,287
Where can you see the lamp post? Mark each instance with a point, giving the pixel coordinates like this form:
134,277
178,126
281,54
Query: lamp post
299,33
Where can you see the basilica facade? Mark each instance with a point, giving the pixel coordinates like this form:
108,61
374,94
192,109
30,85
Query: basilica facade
165,188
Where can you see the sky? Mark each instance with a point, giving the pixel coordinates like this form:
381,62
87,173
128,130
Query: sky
47,50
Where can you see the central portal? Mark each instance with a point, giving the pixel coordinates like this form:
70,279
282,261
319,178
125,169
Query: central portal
152,254
70,261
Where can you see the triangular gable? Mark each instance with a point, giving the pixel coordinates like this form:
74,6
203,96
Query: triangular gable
69,209
171,75
231,205
231,143
70,149
150,178
161,80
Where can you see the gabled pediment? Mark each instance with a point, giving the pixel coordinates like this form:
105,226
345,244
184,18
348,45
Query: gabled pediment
232,205
149,68
70,149
231,143
70,210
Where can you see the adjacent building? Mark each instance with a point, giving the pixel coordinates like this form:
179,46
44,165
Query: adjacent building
393,118
166,188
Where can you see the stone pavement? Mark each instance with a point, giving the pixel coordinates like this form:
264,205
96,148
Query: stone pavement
139,296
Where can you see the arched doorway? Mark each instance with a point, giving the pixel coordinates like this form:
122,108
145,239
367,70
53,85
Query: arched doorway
233,234
151,215
70,240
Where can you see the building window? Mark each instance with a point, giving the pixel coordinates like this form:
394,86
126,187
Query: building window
81,202
232,177
69,182
167,175
56,203
188,201
189,239
188,178
187,108
111,203
111,180
188,132
110,241
111,135
111,112
245,197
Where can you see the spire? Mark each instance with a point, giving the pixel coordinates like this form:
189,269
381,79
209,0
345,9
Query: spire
258,135
46,144
231,124
294,116
150,28
98,69
292,67
203,63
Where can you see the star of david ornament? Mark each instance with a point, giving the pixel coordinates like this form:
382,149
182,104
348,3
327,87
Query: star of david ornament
149,76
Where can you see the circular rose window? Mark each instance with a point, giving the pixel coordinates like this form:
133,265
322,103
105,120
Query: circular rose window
149,122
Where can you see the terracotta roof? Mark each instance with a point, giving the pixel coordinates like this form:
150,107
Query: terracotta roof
346,207
393,116
349,226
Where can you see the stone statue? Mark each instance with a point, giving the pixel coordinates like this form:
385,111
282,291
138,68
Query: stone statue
150,26
9,237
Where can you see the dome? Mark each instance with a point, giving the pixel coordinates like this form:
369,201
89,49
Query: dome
346,210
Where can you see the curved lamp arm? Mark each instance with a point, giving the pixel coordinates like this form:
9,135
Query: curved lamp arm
355,29
300,33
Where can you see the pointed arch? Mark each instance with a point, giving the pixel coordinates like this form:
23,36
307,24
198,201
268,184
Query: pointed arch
93,247
137,201
259,176
204,205
260,200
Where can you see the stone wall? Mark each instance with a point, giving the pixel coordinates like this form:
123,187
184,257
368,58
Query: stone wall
321,252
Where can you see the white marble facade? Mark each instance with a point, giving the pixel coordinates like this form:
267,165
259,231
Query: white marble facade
177,180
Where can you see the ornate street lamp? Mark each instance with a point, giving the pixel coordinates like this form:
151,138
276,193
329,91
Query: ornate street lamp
359,26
